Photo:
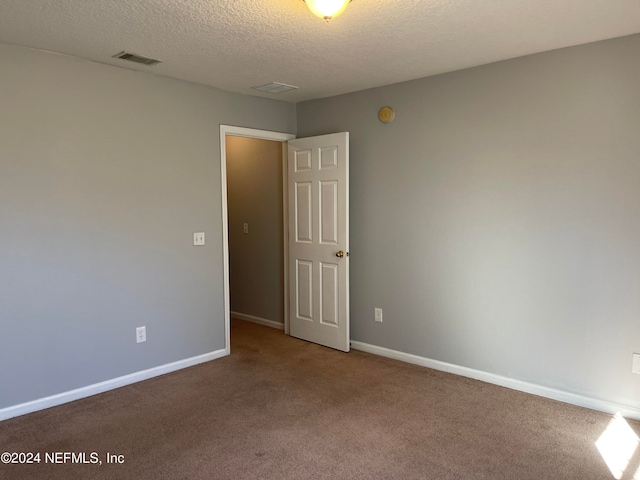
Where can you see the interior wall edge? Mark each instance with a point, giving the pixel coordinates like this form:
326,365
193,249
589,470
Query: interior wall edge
532,388
96,388
258,320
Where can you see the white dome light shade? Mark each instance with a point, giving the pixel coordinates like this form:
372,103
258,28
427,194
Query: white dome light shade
327,9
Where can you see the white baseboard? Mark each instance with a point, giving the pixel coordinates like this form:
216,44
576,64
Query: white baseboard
258,320
552,393
83,392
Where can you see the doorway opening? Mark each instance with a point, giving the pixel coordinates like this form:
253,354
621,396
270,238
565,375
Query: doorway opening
232,145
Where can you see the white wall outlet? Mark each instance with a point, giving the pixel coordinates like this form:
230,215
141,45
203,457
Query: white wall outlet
377,314
141,334
245,228
635,368
198,238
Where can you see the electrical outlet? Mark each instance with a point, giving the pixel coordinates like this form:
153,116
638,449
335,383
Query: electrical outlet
377,314
635,368
245,228
141,334
198,238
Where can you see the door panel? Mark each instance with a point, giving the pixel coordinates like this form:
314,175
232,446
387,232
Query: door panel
318,184
304,290
303,212
329,284
329,212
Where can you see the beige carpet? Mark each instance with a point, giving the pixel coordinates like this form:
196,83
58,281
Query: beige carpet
281,408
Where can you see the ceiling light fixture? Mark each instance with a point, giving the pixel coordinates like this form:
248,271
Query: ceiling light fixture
327,9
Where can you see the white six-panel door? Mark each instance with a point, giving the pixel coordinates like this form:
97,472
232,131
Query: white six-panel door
318,192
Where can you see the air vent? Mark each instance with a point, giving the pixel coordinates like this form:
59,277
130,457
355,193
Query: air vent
132,57
275,87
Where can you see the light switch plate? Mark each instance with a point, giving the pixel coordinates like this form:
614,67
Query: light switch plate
635,368
245,228
198,238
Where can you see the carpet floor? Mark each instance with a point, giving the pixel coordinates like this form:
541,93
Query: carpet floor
280,408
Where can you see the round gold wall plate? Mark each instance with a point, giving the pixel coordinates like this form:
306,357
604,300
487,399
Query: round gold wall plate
386,115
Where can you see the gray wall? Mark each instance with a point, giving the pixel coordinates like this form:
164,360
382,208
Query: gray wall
254,186
105,173
497,220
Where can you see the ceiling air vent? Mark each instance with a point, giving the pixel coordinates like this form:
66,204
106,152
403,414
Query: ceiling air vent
275,87
132,57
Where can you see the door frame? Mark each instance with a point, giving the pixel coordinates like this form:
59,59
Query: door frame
230,130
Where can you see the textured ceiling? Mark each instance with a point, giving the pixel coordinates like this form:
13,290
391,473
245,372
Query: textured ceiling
237,44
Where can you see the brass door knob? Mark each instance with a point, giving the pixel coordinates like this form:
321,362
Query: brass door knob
340,254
